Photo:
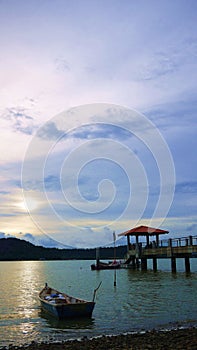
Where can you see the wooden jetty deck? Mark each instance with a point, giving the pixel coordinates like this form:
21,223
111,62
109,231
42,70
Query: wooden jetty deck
184,247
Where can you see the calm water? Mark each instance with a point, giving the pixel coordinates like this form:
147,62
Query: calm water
141,300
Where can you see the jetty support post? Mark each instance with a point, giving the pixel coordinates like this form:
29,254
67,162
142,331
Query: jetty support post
173,264
144,264
187,265
155,264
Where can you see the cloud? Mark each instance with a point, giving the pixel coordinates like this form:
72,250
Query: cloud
2,235
52,183
180,226
100,131
62,65
159,65
4,192
170,61
20,121
192,228
186,187
50,131
6,215
176,114
42,240
95,130
27,236
14,182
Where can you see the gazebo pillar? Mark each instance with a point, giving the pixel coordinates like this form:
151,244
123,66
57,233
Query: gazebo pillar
147,240
128,242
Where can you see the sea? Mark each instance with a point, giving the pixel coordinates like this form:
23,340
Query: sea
140,301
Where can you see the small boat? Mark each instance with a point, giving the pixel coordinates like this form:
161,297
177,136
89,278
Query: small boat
105,266
64,306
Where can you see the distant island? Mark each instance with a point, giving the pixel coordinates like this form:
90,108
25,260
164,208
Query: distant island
14,249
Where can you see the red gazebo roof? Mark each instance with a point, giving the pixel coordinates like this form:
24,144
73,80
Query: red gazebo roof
143,231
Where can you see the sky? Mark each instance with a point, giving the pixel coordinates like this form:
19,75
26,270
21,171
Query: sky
98,119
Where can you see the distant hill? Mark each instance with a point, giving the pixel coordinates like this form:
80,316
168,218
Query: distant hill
12,249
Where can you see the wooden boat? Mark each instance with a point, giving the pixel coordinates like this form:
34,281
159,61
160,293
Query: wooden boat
105,266
64,306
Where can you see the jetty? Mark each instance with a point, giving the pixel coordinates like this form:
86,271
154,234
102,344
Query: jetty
173,248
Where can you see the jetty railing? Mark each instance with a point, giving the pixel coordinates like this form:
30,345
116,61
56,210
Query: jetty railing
179,242
171,242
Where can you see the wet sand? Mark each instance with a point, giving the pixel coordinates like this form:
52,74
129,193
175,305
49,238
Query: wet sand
180,339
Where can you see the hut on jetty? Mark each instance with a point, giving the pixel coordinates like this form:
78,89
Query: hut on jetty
134,251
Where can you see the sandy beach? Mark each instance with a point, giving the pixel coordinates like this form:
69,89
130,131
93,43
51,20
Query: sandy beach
181,339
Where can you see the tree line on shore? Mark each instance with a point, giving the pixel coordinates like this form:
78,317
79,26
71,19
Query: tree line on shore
13,249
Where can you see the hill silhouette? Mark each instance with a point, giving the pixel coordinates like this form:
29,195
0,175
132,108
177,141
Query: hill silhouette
13,249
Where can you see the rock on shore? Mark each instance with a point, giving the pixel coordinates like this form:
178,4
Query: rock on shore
180,339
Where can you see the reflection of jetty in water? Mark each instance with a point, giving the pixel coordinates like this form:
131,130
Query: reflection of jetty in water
185,247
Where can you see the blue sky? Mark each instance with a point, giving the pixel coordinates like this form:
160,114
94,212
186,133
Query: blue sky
98,119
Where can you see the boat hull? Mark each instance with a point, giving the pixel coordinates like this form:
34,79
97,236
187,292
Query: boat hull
104,266
62,311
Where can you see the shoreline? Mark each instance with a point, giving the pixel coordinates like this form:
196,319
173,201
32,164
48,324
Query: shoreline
180,338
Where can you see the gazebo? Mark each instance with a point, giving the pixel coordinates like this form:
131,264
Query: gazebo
135,252
143,231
